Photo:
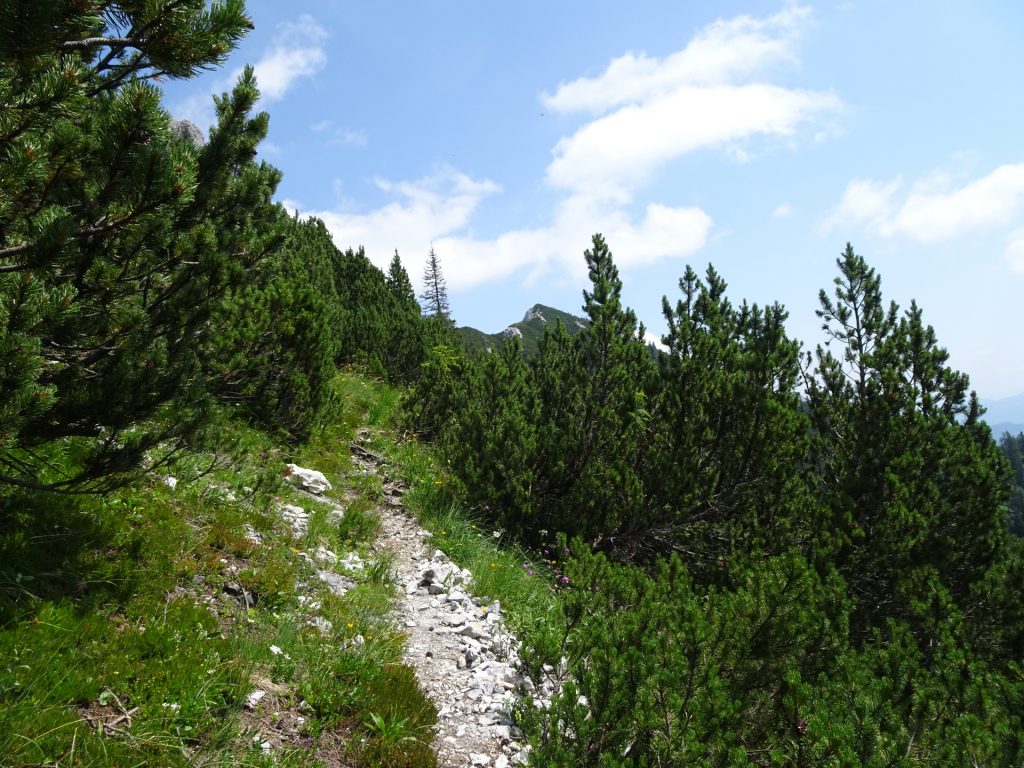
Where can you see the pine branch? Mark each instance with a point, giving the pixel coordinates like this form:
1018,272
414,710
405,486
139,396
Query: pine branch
89,42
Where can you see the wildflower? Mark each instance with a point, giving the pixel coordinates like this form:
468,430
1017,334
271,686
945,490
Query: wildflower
496,534
564,579
472,525
493,565
275,650
350,625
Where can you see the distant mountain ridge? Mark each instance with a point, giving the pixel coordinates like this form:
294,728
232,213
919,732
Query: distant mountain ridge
530,329
1005,414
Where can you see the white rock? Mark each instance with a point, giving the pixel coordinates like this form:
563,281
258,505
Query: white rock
308,479
352,562
324,625
253,699
478,759
474,630
325,555
335,582
296,517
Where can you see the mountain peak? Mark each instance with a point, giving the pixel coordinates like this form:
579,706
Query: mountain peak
530,329
535,312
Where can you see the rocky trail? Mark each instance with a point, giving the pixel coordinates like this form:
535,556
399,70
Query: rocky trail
464,657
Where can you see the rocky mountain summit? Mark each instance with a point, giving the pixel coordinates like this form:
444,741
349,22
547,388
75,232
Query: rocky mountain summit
530,330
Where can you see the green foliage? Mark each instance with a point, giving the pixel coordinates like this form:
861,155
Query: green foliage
276,352
910,477
380,326
727,439
118,239
814,581
1013,449
551,443
593,394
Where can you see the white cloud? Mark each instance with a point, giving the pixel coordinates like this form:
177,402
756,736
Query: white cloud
864,202
336,136
705,96
438,211
615,154
641,113
721,53
1014,253
782,211
296,51
663,232
932,215
933,210
423,211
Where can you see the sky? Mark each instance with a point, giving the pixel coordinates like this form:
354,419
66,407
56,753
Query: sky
760,137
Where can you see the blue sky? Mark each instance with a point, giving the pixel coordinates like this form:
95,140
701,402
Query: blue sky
757,136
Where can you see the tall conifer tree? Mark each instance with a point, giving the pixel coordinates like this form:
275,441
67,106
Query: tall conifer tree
435,290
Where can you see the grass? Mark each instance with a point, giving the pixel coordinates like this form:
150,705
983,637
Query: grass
526,583
133,626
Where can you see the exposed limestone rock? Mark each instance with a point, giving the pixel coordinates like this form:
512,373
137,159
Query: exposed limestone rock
308,480
465,658
186,129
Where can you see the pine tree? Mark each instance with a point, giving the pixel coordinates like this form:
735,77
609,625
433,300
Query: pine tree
1013,449
117,239
911,478
724,466
435,291
275,355
399,283
408,332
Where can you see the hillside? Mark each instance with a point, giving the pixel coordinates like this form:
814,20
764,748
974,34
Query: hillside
265,614
257,509
530,329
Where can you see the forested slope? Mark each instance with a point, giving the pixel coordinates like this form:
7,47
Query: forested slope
780,557
765,555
